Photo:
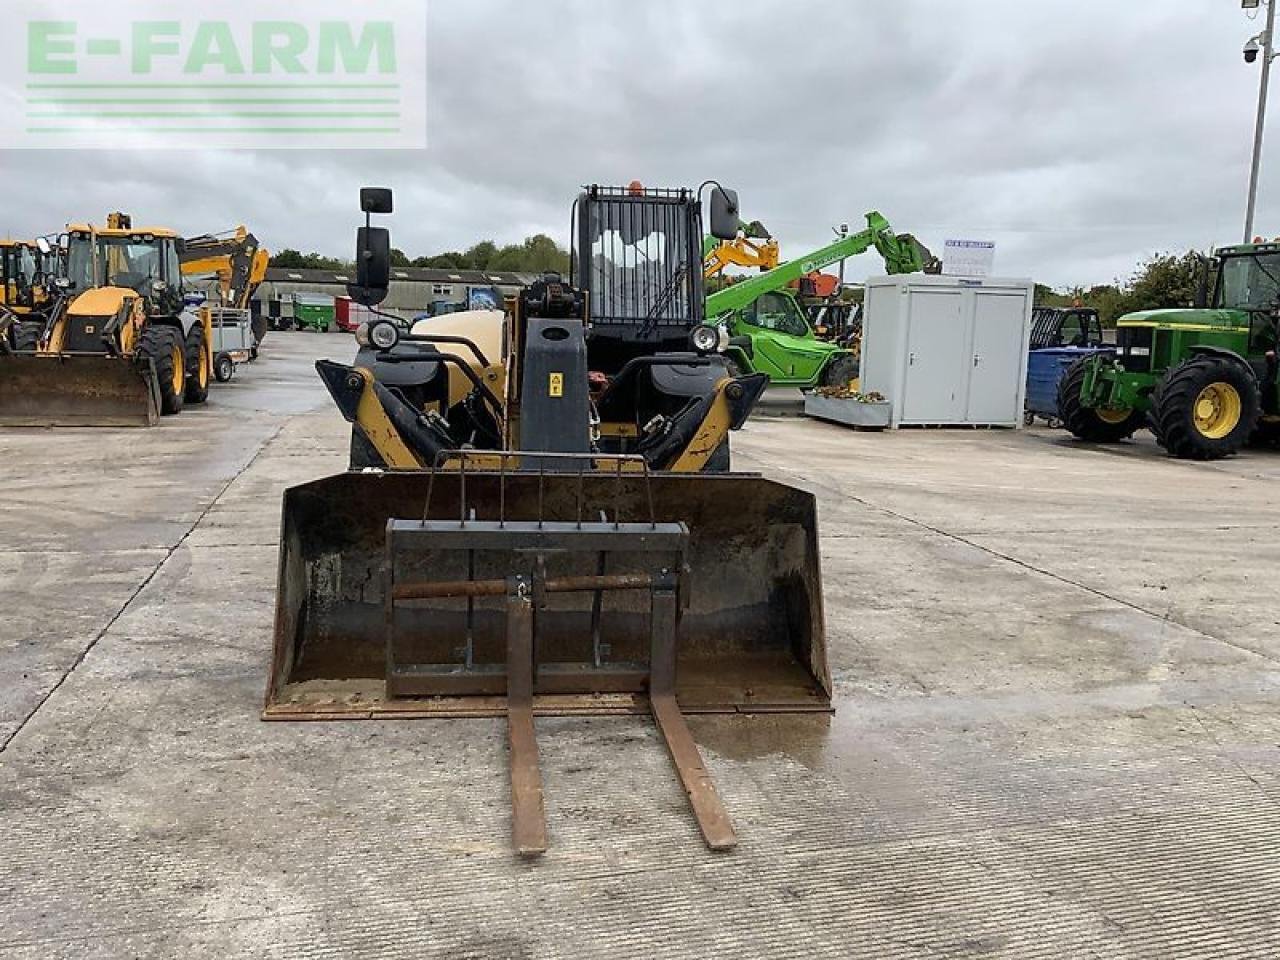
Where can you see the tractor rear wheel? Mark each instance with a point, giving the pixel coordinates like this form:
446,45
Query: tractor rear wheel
1205,408
1094,424
163,345
197,365
26,335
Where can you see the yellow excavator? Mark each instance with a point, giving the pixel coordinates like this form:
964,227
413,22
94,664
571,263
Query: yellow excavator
230,266
537,521
119,348
752,247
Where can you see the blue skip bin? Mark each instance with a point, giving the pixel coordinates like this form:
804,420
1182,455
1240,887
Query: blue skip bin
1044,369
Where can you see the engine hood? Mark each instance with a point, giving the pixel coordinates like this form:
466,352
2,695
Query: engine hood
101,301
1186,317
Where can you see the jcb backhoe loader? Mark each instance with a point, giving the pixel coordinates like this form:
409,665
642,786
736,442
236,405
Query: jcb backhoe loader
119,349
544,531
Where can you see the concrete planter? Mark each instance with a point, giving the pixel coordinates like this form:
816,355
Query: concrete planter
850,413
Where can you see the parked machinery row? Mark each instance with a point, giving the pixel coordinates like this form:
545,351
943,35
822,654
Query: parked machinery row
109,327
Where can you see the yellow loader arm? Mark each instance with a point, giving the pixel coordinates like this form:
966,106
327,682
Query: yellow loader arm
407,439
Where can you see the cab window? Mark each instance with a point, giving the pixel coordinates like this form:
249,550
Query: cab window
776,311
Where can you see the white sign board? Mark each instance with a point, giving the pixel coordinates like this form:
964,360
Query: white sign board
968,258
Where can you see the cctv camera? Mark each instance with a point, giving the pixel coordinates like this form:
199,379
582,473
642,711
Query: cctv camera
1251,51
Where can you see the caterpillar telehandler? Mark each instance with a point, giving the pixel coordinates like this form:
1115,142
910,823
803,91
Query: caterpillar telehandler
544,531
1203,379
119,348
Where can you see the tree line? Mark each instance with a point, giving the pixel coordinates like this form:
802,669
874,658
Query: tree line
535,254
1164,280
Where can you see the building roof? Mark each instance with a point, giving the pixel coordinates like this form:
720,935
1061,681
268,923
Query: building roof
402,275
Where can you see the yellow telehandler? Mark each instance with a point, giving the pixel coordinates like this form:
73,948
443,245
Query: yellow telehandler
539,518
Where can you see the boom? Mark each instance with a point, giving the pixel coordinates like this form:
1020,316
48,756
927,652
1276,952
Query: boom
902,254
236,260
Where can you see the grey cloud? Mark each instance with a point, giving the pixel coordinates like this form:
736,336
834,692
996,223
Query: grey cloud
1081,136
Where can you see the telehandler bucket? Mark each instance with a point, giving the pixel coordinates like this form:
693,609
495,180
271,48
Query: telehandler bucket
76,390
509,592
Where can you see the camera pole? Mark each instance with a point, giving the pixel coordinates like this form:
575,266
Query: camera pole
1268,54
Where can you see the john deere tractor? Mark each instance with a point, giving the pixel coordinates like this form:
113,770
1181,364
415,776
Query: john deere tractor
1203,379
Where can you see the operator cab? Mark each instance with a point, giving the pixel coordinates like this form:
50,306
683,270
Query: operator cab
144,261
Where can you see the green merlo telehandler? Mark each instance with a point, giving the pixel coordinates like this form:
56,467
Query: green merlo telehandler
769,331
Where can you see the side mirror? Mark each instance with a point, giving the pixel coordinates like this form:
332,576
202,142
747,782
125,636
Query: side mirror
43,246
724,213
375,199
373,250
373,266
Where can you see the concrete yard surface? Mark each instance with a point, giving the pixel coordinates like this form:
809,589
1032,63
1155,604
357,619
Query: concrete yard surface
1057,727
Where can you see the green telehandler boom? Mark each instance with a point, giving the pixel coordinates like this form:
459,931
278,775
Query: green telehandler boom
768,330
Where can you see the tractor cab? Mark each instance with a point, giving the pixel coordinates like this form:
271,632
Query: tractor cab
1249,280
1065,327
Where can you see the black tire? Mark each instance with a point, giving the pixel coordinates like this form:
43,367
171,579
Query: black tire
223,368
1266,435
163,345
840,372
720,460
1087,423
26,335
198,373
1179,418
363,453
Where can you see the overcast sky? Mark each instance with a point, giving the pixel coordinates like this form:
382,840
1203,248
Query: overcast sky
1080,135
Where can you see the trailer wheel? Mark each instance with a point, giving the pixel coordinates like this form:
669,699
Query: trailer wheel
1094,424
1205,408
197,365
223,367
163,345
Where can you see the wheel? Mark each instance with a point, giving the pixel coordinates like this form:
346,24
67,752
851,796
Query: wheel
163,345
1028,419
197,365
363,453
1094,424
223,367
1266,435
1205,408
26,335
841,372
719,462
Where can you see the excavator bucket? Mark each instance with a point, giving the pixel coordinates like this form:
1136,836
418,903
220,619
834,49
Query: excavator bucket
456,593
76,390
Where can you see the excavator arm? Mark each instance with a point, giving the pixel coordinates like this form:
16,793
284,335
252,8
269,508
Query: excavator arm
236,259
753,247
902,254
